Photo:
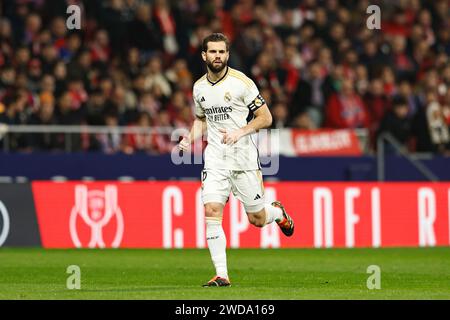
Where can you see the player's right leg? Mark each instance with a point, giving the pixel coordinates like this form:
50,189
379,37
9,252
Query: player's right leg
217,243
215,192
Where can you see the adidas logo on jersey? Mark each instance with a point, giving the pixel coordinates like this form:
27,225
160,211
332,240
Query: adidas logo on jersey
202,99
257,197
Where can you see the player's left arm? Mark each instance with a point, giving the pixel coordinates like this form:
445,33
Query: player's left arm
262,119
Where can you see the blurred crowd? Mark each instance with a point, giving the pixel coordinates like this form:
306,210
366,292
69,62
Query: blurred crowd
133,63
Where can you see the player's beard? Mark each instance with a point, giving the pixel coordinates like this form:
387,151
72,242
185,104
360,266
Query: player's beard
216,68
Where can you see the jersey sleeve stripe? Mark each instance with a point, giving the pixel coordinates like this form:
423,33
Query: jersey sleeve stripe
241,77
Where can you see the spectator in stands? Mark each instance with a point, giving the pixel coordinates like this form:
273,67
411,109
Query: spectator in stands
377,102
45,116
154,76
361,79
438,128
346,110
184,118
78,93
95,108
389,82
166,23
406,91
47,84
148,104
280,114
115,18
66,115
100,48
140,142
397,123
267,74
110,142
69,46
142,32
60,74
304,122
402,62
309,94
132,66
34,75
14,109
446,108
22,59
7,81
372,56
430,129
162,141
49,58
124,103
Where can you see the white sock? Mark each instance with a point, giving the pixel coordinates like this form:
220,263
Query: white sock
217,244
273,213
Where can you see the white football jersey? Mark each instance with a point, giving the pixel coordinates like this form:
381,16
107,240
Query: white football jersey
228,103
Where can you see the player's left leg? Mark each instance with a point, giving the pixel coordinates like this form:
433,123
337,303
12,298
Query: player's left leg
248,187
215,192
217,243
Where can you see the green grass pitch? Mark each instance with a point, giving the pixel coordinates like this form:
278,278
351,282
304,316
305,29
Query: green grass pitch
406,273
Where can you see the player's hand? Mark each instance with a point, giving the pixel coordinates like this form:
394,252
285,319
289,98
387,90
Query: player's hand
185,144
230,138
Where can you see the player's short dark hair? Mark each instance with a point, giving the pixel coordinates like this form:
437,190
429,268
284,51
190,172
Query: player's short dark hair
215,37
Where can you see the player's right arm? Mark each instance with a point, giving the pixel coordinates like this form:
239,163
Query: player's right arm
198,127
197,130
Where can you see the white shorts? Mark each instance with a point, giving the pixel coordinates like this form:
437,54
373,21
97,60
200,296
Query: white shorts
247,186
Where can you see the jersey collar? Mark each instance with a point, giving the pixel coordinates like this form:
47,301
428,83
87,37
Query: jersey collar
220,80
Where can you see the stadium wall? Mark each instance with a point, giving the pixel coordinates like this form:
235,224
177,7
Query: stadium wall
96,166
169,214
18,220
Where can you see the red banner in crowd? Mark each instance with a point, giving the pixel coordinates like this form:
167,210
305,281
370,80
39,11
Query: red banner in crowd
170,215
325,142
